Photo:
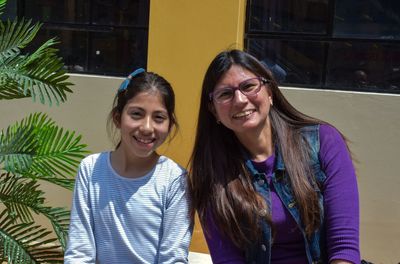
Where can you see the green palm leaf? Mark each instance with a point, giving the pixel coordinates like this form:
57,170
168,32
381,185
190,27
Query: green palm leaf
18,143
16,35
2,5
39,75
38,148
27,243
22,197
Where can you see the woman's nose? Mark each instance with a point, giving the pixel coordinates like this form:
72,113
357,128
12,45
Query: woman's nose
239,97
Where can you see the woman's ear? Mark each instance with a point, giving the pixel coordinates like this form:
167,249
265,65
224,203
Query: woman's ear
211,108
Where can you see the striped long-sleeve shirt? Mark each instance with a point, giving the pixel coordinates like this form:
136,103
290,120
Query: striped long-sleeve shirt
115,219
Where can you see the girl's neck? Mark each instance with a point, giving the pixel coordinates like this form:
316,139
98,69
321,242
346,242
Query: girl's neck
130,166
258,142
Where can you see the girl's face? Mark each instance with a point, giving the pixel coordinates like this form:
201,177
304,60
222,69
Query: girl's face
144,124
243,113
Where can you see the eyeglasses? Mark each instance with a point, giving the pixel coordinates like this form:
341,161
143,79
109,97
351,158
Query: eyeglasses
248,87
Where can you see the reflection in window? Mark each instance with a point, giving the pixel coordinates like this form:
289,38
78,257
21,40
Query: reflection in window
367,18
364,66
130,54
288,16
292,62
60,11
96,36
125,12
72,47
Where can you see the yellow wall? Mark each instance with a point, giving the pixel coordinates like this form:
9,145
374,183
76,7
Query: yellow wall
184,36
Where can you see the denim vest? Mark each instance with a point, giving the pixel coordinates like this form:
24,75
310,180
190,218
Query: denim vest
260,252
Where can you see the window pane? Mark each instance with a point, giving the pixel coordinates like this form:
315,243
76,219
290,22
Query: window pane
72,47
60,11
125,12
118,52
309,16
364,66
367,18
10,10
292,62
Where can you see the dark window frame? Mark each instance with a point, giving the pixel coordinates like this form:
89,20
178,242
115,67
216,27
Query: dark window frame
91,29
328,38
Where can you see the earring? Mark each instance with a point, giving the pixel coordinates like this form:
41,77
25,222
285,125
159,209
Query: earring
218,121
270,101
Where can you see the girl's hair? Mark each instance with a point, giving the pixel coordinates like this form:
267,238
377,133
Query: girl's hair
219,182
143,82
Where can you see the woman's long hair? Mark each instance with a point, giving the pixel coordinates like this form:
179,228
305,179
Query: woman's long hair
219,182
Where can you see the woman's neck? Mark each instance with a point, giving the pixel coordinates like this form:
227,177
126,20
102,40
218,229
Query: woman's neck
258,142
129,166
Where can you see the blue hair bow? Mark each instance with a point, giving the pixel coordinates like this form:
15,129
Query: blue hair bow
126,82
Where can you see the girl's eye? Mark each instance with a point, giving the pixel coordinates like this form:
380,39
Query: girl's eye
160,118
135,114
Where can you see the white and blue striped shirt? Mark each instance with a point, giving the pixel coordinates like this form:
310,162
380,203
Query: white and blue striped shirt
115,219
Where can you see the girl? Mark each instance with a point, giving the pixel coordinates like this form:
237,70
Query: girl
130,204
270,184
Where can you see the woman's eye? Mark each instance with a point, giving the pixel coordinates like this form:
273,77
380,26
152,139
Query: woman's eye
224,94
248,87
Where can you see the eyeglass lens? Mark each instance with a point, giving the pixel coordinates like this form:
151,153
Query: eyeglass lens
247,87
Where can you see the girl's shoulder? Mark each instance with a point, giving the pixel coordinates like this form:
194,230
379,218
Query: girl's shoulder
95,162
169,169
93,158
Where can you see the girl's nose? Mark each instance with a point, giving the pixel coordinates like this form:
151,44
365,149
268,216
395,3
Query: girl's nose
147,125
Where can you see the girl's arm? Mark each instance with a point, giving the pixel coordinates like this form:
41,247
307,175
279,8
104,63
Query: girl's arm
81,247
341,204
177,225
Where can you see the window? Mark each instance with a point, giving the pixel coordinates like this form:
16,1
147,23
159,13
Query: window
96,36
329,44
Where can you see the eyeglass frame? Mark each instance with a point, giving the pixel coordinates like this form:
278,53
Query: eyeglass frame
262,80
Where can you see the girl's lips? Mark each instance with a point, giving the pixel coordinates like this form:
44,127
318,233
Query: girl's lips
145,141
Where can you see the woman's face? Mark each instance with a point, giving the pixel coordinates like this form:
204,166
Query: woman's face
243,113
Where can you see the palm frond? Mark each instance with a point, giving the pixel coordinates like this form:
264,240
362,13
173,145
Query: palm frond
38,147
18,143
2,5
16,35
27,243
22,197
42,78
60,154
39,75
9,89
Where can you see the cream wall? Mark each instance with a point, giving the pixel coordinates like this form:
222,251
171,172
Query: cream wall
184,36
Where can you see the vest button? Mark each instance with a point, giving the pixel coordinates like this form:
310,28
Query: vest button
260,182
263,247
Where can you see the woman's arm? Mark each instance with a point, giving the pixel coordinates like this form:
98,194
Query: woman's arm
221,248
177,225
341,204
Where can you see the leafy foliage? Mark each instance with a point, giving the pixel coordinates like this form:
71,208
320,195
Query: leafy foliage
34,149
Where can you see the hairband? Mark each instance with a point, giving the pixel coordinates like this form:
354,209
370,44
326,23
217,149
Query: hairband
126,82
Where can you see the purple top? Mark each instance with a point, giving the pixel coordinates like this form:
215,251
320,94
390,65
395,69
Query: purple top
340,204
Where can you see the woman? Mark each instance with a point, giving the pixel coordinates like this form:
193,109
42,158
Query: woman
270,184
